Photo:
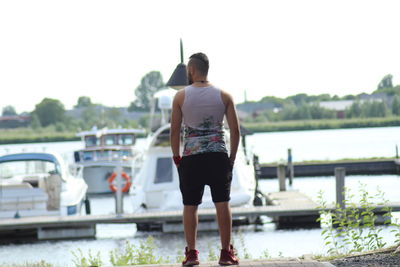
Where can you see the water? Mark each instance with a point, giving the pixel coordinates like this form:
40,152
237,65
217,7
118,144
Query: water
326,144
306,145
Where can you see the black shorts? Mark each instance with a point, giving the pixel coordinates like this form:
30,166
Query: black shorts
213,169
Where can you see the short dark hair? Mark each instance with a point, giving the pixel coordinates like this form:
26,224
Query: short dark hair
200,62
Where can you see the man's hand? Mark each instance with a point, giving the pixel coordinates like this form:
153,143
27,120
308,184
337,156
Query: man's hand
177,160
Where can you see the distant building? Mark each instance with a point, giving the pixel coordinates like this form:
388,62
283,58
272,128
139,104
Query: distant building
339,106
15,121
242,114
254,108
376,97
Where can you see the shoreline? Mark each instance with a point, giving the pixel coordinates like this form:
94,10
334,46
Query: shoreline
43,135
309,125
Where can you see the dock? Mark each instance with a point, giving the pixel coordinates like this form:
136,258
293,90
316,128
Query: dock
290,208
356,167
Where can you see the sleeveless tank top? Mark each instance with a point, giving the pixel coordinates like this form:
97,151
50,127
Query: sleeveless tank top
203,114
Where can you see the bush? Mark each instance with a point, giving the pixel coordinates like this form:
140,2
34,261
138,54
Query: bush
353,228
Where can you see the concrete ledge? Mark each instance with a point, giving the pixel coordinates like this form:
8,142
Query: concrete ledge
256,263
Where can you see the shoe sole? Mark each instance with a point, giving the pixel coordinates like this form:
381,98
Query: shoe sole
191,263
226,263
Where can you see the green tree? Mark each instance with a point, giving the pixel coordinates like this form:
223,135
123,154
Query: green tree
318,112
113,117
35,122
150,83
389,91
278,102
49,111
354,111
373,109
304,112
90,117
298,99
349,97
83,102
396,105
9,111
386,82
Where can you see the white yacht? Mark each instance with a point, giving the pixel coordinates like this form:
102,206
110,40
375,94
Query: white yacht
156,186
104,150
39,184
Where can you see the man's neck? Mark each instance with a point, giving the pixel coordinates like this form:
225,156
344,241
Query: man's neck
200,82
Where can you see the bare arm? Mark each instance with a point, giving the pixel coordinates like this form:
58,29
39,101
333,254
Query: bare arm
176,122
233,124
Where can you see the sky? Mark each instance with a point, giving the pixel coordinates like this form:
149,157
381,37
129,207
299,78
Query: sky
102,49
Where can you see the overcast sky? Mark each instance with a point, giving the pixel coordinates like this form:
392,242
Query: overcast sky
102,49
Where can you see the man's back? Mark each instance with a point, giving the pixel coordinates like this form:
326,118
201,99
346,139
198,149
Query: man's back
203,113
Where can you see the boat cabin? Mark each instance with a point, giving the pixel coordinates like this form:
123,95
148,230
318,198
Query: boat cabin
107,144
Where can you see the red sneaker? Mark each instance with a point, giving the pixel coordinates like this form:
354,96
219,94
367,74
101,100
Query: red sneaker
191,257
228,257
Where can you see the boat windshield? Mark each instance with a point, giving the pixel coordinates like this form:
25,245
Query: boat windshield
91,140
119,139
29,168
163,171
163,139
126,139
106,155
110,140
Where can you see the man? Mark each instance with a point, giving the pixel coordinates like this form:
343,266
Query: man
205,159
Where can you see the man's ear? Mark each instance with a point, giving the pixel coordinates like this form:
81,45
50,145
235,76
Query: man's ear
190,69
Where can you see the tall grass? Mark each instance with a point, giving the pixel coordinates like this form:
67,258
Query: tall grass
353,228
28,135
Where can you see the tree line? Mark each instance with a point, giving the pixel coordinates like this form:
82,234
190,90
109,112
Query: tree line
52,113
307,107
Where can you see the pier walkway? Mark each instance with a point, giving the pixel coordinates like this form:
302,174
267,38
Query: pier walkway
290,208
353,167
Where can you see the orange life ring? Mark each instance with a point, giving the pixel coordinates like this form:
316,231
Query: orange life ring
112,177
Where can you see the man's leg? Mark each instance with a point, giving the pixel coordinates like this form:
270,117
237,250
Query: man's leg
224,218
190,220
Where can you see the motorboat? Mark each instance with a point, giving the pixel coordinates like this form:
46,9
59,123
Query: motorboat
156,186
39,184
104,150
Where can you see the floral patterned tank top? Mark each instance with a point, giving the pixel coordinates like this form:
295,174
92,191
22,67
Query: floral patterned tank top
203,114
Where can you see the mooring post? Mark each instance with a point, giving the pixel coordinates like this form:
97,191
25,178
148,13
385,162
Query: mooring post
290,166
118,193
281,173
340,174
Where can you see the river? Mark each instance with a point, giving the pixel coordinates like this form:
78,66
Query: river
271,147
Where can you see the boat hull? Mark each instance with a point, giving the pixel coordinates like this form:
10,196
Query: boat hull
96,177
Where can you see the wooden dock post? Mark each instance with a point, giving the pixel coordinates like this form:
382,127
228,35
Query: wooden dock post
119,210
340,173
290,166
53,190
281,173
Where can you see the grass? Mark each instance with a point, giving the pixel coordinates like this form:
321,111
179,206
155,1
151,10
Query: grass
305,125
28,135
40,135
37,264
